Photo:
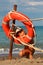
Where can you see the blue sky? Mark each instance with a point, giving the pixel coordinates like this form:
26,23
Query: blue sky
31,8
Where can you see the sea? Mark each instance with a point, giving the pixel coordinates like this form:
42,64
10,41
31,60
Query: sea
5,42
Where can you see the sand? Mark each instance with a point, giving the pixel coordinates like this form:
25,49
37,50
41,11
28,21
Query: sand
38,60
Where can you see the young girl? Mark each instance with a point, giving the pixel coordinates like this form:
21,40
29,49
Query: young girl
27,51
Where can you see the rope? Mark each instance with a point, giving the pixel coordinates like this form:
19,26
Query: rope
27,44
37,19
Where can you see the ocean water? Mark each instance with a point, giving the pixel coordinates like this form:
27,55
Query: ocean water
5,42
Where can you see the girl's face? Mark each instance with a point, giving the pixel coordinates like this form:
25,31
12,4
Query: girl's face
22,34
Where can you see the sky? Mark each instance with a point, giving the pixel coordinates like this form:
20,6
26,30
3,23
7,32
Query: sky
31,8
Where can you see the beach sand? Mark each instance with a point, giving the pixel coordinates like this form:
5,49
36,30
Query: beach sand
38,60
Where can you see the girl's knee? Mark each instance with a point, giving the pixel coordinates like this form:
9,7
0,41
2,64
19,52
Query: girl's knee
20,53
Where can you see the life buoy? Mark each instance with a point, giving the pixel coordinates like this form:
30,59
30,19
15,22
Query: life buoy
13,15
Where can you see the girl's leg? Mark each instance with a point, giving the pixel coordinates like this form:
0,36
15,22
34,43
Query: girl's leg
22,53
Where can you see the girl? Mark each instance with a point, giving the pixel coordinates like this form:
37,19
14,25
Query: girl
27,51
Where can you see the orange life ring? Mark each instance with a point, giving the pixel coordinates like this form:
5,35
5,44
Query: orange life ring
13,15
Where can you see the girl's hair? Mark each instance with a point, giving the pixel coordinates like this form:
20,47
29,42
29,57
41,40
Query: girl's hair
17,34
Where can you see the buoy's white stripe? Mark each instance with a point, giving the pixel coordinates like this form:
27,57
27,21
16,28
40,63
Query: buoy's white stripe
34,32
29,37
9,15
4,22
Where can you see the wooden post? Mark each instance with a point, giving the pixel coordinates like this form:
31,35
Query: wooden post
11,41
